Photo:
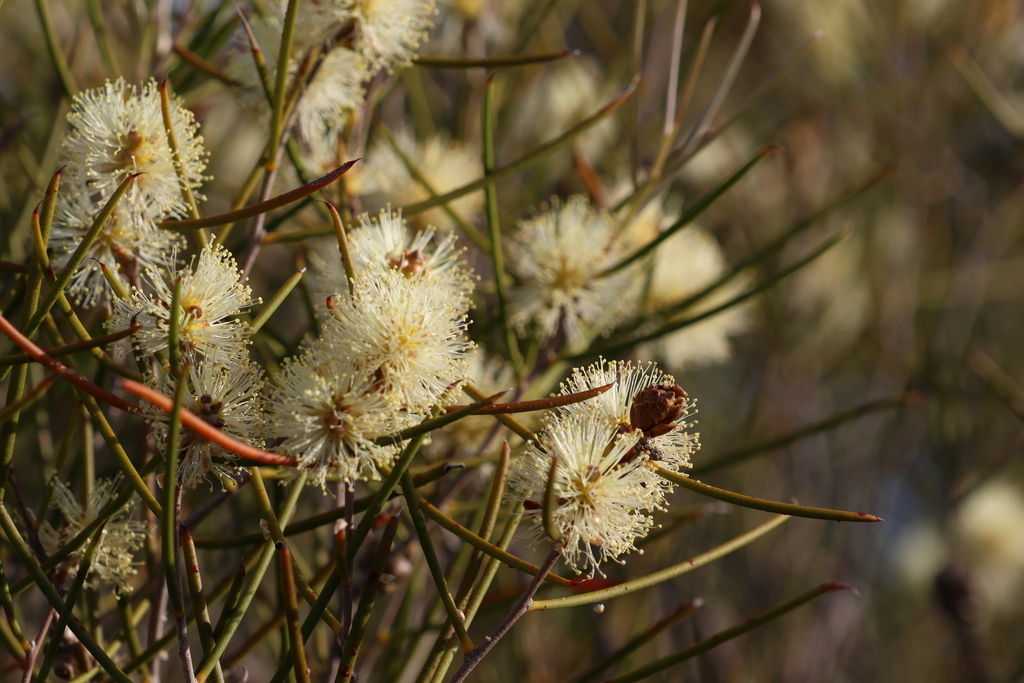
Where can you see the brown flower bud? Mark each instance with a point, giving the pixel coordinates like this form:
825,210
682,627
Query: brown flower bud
656,408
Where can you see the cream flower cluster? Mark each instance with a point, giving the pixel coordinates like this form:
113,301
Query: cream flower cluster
122,536
390,349
115,131
598,452
557,258
338,45
223,384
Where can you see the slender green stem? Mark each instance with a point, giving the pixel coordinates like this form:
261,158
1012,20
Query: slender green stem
169,522
275,302
346,255
663,575
494,233
184,185
648,634
476,596
195,589
480,544
60,63
69,606
468,229
528,159
714,641
41,580
259,207
362,616
432,62
760,503
277,535
354,542
433,562
316,521
75,261
281,82
99,29
256,577
742,454
434,423
20,644
11,410
291,611
507,420
613,347
692,213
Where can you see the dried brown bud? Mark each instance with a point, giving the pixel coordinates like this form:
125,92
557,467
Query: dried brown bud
656,408
409,263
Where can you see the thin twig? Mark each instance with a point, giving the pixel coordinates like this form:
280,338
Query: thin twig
521,607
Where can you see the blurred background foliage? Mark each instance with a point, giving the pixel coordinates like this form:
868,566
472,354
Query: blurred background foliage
925,298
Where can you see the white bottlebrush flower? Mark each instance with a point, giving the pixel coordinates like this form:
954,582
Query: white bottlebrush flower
122,536
336,87
446,164
387,32
565,93
385,242
642,400
225,393
410,331
602,497
210,296
118,130
556,258
326,409
683,265
128,244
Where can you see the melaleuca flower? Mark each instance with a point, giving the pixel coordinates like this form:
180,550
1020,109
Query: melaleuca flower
562,95
336,86
602,498
118,130
409,331
387,32
225,392
696,253
556,258
129,243
325,407
643,401
122,536
384,242
445,163
210,295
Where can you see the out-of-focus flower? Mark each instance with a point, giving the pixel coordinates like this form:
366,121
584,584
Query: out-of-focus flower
129,243
387,32
118,130
384,242
556,258
336,86
210,295
225,393
566,92
684,264
988,527
122,536
325,407
445,163
409,331
644,401
602,499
